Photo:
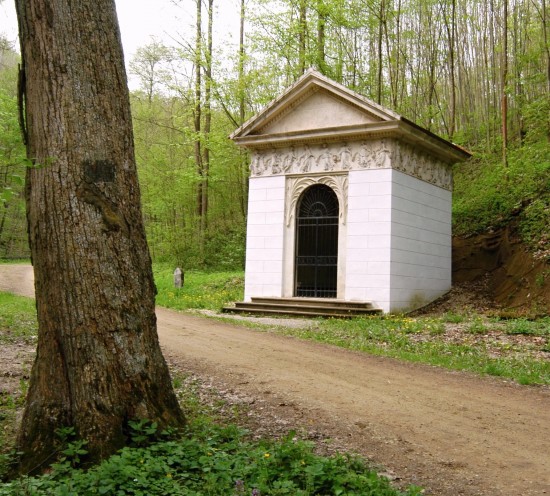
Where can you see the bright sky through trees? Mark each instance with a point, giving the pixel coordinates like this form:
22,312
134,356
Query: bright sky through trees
142,21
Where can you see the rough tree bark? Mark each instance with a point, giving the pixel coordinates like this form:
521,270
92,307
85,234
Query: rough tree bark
98,362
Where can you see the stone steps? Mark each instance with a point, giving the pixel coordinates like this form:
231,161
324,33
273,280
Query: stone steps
304,307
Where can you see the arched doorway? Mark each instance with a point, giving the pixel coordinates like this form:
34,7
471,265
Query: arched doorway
316,268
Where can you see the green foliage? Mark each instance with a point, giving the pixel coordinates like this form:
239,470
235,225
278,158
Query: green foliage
477,326
13,239
71,449
213,460
536,119
208,290
226,250
142,431
535,220
169,181
454,318
487,195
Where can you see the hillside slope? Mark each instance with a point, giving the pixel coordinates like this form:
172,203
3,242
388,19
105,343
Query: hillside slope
501,226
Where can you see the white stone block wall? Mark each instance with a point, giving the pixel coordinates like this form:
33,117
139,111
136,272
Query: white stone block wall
265,237
421,258
398,247
369,237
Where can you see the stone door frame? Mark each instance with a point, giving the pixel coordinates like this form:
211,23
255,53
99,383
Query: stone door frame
295,185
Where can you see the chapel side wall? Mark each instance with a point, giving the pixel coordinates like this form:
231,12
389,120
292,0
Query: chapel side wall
264,238
421,257
369,237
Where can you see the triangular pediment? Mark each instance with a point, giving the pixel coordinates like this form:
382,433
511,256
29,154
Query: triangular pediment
318,110
314,102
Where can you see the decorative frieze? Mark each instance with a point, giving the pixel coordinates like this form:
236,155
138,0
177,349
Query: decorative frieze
419,164
345,156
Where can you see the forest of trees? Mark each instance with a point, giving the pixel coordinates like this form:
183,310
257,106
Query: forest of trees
477,72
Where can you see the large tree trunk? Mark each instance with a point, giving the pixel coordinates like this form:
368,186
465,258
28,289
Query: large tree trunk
98,361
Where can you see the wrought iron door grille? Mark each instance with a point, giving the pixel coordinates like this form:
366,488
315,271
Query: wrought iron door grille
317,243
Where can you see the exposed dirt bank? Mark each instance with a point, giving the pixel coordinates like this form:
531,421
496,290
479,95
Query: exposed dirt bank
518,282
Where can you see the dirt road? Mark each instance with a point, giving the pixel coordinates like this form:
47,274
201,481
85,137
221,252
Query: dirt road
453,433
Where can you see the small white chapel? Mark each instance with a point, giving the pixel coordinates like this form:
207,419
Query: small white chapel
348,201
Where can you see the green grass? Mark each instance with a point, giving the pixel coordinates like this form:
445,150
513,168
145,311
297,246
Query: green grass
201,290
420,340
213,460
17,318
540,327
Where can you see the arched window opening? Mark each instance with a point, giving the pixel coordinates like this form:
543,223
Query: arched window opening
317,243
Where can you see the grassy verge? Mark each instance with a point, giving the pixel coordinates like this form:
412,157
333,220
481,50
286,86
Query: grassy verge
516,349
211,457
17,319
476,345
202,290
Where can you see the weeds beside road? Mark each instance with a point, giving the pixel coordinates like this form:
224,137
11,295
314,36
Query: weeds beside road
459,339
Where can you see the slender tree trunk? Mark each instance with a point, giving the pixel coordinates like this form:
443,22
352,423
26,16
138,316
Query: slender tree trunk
3,221
450,25
302,36
382,21
207,120
98,361
546,36
490,82
242,112
321,35
198,104
242,93
504,105
518,55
